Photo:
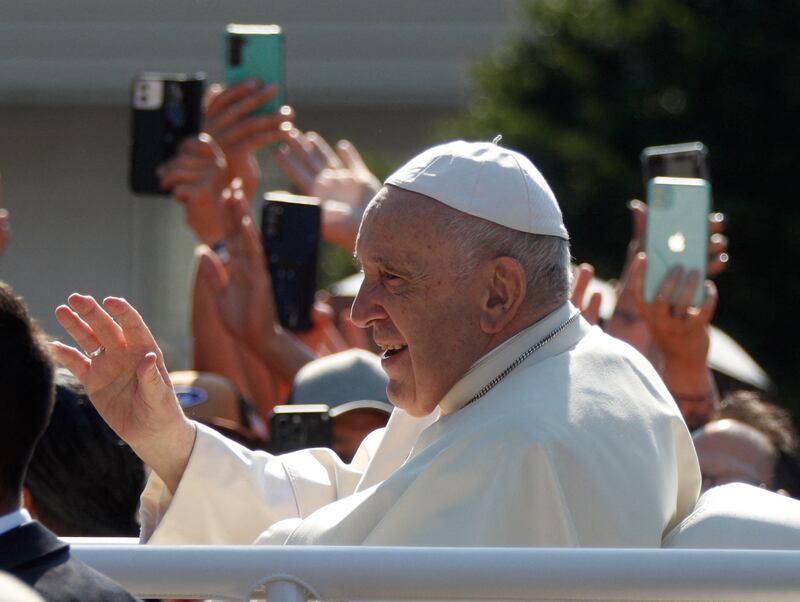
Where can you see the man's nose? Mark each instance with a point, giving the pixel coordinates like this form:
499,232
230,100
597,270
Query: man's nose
365,308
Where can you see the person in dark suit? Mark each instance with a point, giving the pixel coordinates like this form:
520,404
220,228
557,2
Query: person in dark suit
28,550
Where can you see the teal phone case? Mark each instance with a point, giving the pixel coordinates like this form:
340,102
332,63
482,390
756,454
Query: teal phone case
256,52
677,231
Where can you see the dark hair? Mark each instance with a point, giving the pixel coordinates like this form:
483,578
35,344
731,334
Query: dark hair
776,423
26,390
84,480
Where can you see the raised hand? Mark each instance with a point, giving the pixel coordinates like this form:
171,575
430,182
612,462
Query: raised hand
581,277
243,293
626,323
680,332
340,179
123,370
222,158
229,120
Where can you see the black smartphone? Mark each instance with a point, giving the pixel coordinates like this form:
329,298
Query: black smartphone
290,231
686,160
166,108
300,426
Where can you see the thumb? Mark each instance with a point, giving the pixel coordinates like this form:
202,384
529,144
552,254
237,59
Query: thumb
150,380
638,221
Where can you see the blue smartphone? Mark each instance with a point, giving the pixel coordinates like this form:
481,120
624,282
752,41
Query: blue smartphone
677,231
256,52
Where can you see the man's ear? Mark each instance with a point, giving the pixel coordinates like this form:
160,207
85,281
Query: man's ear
506,287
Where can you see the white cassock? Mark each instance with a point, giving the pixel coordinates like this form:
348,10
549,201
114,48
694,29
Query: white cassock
580,445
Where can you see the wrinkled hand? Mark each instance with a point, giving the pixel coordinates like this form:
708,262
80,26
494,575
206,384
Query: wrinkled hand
680,330
228,119
340,179
127,381
590,309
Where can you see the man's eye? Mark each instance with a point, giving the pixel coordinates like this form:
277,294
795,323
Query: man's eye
388,276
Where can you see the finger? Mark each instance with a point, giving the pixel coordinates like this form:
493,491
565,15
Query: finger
686,295
710,302
302,151
79,330
150,378
107,331
213,91
350,156
718,264
592,310
582,274
255,132
174,177
324,151
638,222
228,96
72,359
636,277
666,291
717,222
131,322
717,243
297,173
240,109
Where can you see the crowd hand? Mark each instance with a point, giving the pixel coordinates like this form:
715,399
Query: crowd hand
244,297
123,370
340,179
198,177
626,323
590,308
680,330
323,337
228,118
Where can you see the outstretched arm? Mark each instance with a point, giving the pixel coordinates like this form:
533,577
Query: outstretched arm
123,370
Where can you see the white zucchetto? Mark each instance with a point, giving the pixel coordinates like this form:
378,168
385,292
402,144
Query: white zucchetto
485,180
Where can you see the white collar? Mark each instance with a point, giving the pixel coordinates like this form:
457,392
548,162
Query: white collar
497,359
15,519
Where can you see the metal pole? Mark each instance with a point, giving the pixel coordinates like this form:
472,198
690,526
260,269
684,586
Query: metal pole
286,591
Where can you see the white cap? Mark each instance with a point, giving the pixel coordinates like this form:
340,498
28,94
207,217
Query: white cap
485,180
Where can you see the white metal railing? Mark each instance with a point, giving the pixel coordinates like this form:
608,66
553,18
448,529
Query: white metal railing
292,574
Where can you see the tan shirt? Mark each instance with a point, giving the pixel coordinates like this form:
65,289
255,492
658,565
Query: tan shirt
581,445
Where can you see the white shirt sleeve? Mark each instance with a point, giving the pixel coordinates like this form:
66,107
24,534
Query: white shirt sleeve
229,494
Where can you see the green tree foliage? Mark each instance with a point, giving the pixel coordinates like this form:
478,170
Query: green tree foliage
592,82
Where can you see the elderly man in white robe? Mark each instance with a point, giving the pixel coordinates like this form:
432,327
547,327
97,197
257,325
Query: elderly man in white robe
516,423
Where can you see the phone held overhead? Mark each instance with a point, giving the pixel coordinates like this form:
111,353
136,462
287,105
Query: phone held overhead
290,231
678,203
165,110
255,52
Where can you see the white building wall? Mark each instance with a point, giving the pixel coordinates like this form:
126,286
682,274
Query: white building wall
381,73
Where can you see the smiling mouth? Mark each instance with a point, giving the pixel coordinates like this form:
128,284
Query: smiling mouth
390,350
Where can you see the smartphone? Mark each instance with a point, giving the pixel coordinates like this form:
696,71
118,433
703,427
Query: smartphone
166,108
677,230
256,52
686,160
301,426
290,232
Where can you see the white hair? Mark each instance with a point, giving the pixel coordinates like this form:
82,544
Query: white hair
545,259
